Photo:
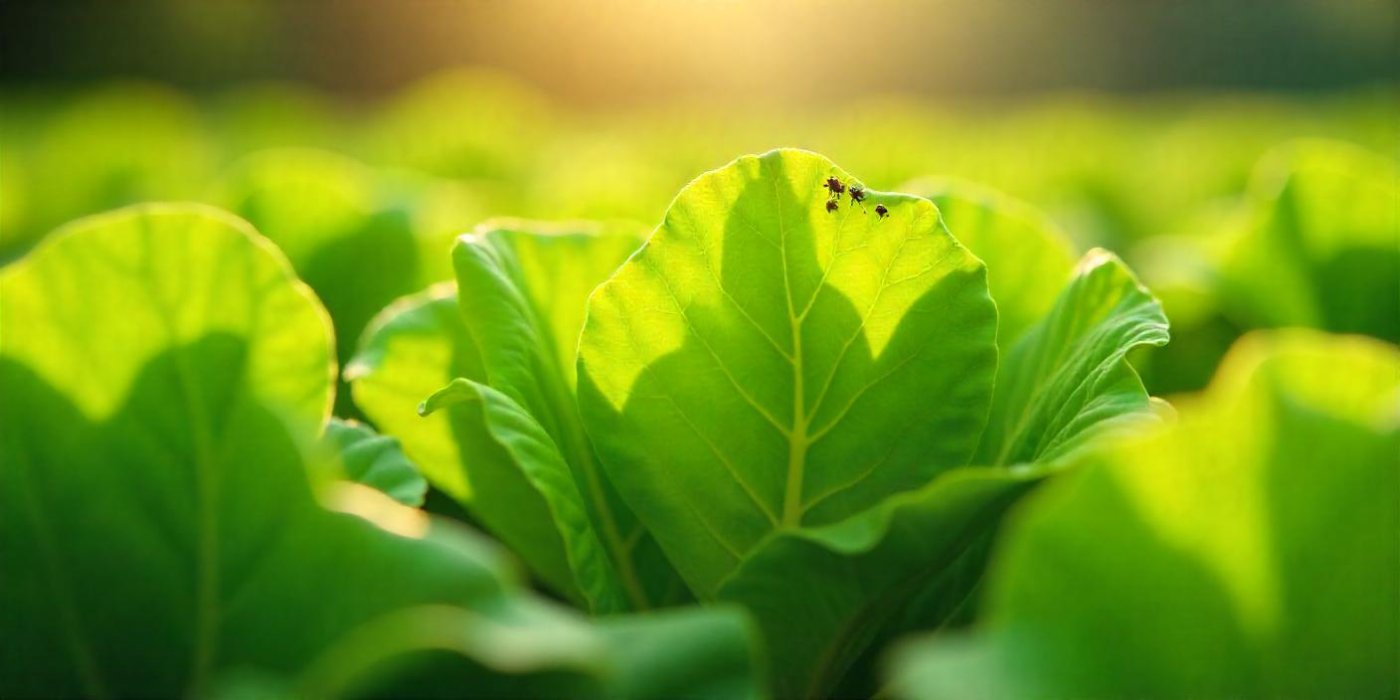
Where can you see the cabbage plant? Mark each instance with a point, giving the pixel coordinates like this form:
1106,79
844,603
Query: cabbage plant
812,414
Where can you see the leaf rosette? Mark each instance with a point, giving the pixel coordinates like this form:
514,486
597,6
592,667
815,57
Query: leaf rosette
798,410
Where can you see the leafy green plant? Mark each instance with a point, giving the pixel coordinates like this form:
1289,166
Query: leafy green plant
792,403
1246,551
1312,243
503,436
165,531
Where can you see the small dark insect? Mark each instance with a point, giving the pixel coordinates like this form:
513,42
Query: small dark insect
832,205
857,193
835,185
881,211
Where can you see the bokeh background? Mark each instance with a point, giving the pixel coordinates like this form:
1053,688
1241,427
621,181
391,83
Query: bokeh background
362,136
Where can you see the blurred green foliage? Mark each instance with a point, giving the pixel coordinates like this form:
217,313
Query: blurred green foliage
1238,213
1248,550
365,197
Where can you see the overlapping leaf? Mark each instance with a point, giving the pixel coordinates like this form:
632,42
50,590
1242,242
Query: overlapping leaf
163,372
823,596
374,460
1319,243
1247,551
1067,377
507,440
1028,258
764,364
347,229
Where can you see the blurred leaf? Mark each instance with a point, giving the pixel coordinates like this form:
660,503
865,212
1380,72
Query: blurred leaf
161,534
463,124
524,648
737,371
325,212
1320,246
374,460
166,469
1246,552
119,144
1067,378
257,116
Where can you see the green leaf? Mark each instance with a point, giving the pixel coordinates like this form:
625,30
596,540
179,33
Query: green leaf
414,348
161,367
1318,246
762,364
524,648
411,349
374,460
164,374
326,212
1247,551
529,288
522,471
522,288
1028,257
823,596
1067,379
920,556
105,295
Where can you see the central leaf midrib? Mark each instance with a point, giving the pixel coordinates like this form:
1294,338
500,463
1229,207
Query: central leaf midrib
797,437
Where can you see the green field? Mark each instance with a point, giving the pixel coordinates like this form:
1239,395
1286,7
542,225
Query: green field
464,391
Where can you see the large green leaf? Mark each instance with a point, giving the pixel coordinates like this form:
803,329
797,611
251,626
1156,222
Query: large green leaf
1248,551
1068,376
1028,258
160,366
522,289
823,596
107,294
162,536
377,461
1319,245
763,364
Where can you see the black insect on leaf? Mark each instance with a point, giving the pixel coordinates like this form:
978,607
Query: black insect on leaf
835,186
832,205
857,193
881,211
